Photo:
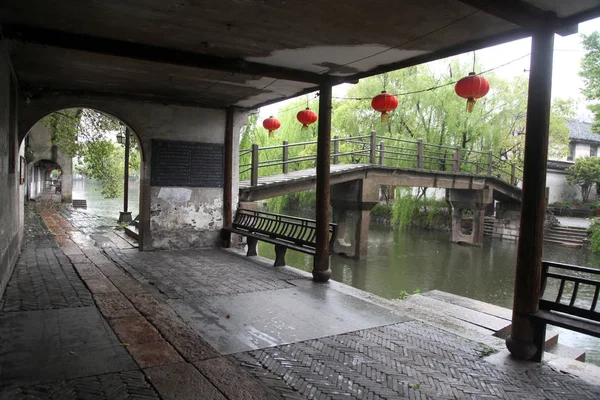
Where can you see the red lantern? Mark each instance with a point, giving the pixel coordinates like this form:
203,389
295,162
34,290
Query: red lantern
472,87
271,124
307,117
384,103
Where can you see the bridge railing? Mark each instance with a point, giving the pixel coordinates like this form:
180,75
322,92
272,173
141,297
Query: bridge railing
378,150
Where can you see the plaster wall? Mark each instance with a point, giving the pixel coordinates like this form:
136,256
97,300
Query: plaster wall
581,150
41,145
559,189
170,217
11,198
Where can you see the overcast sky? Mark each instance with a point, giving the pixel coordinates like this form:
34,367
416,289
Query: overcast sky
566,82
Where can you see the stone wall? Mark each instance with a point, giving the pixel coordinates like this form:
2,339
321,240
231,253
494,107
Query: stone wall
508,222
170,217
11,191
40,142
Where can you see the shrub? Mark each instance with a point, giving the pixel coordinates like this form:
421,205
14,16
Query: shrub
594,233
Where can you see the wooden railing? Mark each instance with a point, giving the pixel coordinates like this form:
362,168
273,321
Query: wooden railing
377,150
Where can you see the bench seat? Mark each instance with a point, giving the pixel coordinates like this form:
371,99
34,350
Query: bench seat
283,231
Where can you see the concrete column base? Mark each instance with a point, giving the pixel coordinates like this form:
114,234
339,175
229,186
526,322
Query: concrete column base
521,349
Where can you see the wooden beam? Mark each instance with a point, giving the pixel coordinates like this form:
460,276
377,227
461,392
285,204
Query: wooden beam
533,206
228,170
517,12
151,53
321,271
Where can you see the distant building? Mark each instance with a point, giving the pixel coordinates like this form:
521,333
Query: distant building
582,143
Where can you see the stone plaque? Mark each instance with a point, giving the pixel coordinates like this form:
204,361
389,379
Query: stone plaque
188,164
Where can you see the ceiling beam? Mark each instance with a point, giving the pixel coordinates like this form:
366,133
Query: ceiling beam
150,53
517,12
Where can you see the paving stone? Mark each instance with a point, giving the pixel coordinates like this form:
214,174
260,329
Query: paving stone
126,284
48,345
115,386
153,354
109,269
135,330
115,305
182,382
187,342
100,285
88,271
233,381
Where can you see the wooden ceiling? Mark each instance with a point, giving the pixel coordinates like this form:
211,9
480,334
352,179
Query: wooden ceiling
246,53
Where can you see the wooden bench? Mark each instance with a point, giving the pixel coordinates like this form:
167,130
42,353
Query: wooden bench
569,299
284,231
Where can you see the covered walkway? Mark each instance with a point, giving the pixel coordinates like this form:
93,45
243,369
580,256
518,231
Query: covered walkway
82,321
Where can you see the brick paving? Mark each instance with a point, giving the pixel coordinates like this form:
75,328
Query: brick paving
406,360
200,273
87,319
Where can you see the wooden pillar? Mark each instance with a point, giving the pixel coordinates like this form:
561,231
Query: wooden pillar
373,147
228,170
420,153
321,271
533,205
336,150
286,156
254,166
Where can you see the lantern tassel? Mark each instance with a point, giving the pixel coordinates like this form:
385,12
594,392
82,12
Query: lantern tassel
470,104
304,127
271,133
385,117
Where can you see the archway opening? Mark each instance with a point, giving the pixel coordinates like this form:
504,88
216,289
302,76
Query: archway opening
83,143
466,221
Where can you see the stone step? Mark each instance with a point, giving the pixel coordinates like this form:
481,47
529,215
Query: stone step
565,351
133,231
564,238
563,231
566,244
79,203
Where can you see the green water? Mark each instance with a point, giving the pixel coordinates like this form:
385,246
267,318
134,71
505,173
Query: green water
423,260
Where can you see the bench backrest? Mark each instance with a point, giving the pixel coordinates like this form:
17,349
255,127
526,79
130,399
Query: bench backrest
299,231
570,289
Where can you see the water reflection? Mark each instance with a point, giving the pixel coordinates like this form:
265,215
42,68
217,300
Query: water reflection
427,260
98,205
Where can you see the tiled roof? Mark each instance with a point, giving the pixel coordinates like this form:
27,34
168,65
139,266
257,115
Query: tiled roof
579,131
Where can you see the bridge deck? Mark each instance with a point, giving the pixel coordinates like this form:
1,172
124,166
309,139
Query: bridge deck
303,174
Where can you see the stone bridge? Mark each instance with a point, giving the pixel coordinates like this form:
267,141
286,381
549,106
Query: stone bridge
473,181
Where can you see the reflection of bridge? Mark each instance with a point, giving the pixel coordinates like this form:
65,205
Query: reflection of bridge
473,179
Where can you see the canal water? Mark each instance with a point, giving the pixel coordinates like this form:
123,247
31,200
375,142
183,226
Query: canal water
408,262
420,261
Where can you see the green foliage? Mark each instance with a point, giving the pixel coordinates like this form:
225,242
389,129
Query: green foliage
382,211
584,173
590,72
88,135
563,204
403,294
594,234
294,201
404,209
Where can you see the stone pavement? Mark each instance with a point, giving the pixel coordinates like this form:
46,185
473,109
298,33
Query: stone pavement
88,317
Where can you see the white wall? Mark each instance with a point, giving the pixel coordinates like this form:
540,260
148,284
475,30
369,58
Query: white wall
559,189
170,218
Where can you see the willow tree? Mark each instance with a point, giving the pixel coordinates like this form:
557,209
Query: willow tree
89,135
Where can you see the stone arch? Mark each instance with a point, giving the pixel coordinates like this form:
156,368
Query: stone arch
32,110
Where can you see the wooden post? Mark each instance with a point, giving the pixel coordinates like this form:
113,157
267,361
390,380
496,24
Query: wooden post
373,147
228,170
512,174
533,205
456,164
420,153
477,168
285,156
381,153
321,271
254,166
336,150
489,166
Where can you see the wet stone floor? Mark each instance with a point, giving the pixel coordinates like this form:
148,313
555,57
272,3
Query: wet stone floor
87,316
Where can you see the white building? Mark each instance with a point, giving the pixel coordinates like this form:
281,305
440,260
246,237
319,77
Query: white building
582,143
